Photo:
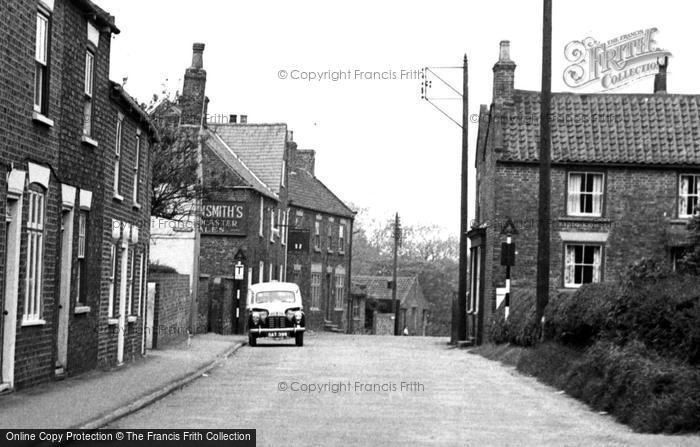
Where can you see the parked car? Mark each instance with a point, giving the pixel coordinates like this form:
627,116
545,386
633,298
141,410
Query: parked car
275,309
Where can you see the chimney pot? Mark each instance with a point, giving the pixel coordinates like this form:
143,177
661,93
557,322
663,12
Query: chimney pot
290,135
197,61
232,119
244,119
504,53
660,77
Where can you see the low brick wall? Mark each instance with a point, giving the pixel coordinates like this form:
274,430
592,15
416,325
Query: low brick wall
172,308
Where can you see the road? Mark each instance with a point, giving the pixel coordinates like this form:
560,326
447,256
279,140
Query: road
383,391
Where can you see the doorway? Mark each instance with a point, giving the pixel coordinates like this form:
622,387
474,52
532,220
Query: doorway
329,298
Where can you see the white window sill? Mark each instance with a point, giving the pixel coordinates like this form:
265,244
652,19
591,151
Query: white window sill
341,252
37,322
314,309
81,310
136,206
88,141
131,319
317,250
118,198
330,252
43,119
112,321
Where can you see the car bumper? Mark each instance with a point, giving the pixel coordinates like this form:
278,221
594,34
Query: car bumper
292,330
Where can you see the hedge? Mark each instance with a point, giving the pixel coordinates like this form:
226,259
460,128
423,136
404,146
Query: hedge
578,318
637,386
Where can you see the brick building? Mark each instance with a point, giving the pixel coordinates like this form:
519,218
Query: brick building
244,205
320,245
256,188
56,126
379,310
625,171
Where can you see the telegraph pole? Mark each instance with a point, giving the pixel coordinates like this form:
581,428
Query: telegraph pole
543,235
464,217
397,305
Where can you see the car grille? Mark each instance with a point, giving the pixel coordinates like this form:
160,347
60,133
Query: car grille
276,322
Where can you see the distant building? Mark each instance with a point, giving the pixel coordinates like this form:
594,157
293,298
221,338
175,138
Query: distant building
320,245
625,176
379,307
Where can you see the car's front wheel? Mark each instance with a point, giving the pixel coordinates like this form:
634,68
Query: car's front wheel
252,340
299,338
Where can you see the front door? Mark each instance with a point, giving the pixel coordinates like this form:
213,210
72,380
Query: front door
64,291
475,296
8,319
329,298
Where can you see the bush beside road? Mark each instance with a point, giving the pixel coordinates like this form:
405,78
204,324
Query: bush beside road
630,349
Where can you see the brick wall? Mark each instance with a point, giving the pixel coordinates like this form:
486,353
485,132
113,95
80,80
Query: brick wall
172,308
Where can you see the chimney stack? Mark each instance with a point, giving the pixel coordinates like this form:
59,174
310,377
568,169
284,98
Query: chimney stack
305,159
503,75
232,119
244,119
193,100
660,77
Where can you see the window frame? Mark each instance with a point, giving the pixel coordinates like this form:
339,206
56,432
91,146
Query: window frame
317,235
696,195
81,280
34,258
600,266
137,169
42,62
341,238
315,287
585,174
117,156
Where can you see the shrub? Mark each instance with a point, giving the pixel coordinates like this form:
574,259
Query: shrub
661,312
160,268
638,387
521,327
577,318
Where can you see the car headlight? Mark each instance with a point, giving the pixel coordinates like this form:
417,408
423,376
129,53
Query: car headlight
258,315
289,314
298,315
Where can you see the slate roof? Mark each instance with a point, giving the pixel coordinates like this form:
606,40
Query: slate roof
376,286
228,156
260,146
659,129
306,191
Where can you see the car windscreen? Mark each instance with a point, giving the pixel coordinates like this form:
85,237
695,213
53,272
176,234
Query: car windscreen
274,297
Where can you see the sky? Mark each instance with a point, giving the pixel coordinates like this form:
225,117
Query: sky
378,144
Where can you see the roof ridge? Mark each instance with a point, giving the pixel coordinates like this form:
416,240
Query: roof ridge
329,190
243,164
246,124
601,94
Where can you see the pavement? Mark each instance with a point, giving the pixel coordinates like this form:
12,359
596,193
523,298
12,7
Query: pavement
384,391
96,398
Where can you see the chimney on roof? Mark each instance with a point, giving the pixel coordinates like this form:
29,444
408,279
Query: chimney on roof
193,100
244,119
232,119
290,135
305,159
660,77
503,75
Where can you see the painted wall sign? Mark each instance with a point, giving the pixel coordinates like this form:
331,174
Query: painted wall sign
224,218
